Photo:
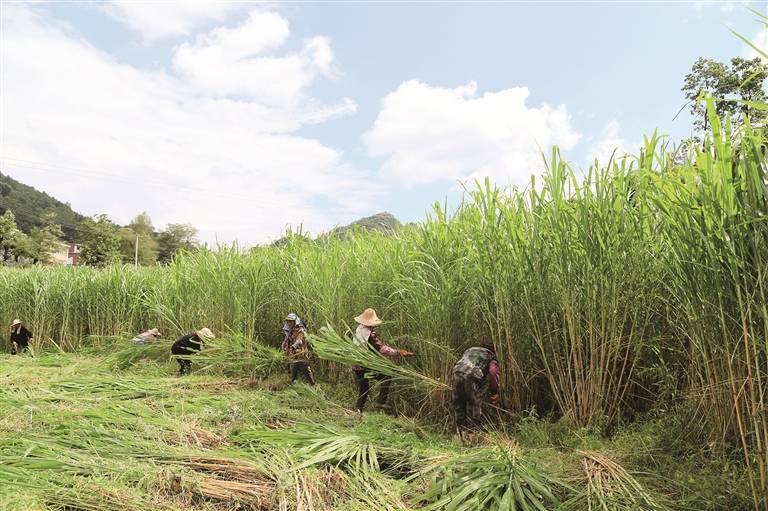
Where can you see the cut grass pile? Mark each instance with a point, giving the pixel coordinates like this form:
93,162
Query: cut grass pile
77,435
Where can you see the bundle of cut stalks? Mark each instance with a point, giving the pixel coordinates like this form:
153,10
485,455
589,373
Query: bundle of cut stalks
237,355
609,487
329,345
489,479
131,353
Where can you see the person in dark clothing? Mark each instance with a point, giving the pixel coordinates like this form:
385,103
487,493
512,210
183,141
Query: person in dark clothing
189,345
296,348
476,372
365,335
20,337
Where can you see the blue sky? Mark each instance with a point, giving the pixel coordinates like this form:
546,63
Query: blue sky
245,118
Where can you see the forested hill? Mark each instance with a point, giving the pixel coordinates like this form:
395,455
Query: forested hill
29,205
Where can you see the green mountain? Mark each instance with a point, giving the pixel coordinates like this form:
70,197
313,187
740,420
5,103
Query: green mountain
29,205
384,222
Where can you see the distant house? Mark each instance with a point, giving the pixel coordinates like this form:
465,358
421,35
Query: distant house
66,255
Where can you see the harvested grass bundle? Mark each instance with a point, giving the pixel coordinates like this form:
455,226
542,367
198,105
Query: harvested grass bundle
237,355
250,495
131,353
329,345
609,487
321,445
489,479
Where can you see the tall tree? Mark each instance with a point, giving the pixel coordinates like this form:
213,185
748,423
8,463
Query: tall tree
99,241
743,79
176,237
45,240
11,237
140,234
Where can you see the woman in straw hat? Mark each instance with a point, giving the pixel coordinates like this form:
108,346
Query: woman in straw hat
366,335
189,345
20,337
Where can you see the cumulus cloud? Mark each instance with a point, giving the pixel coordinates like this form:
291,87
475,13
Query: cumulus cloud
611,144
160,20
112,138
231,61
430,134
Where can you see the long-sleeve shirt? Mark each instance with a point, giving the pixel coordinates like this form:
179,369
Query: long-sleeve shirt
481,364
365,334
187,344
21,336
493,377
295,341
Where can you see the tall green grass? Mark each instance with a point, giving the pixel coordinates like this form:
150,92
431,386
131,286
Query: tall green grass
632,284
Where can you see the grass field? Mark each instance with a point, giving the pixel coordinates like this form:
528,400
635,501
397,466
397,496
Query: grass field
78,435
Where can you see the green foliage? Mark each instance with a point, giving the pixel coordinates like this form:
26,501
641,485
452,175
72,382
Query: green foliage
742,80
174,238
329,345
137,241
491,479
34,208
99,241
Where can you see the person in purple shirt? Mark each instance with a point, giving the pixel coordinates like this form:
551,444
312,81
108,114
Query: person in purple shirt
366,335
476,371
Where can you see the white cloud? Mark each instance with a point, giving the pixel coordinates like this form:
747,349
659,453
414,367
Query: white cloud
112,138
760,40
722,5
231,61
160,20
611,144
431,134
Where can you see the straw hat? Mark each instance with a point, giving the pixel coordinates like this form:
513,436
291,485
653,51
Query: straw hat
368,318
205,333
16,322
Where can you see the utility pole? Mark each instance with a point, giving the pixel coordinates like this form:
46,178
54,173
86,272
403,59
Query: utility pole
136,252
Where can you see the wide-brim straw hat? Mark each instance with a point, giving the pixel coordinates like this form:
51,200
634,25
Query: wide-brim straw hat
16,322
205,333
368,318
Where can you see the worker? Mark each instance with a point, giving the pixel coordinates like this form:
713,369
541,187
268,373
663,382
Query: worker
476,372
189,345
150,335
296,348
20,337
365,335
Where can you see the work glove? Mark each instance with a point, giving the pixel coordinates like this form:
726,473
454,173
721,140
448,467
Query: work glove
405,353
494,399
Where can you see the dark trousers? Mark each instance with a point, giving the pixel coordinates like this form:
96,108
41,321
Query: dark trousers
467,400
19,348
364,388
302,369
185,366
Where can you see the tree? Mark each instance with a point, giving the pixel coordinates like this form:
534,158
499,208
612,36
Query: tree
140,231
728,84
11,237
45,240
176,237
99,241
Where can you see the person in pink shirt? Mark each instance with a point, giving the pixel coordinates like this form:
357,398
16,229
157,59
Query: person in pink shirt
366,335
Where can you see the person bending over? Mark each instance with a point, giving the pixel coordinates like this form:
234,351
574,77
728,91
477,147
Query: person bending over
476,372
188,345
